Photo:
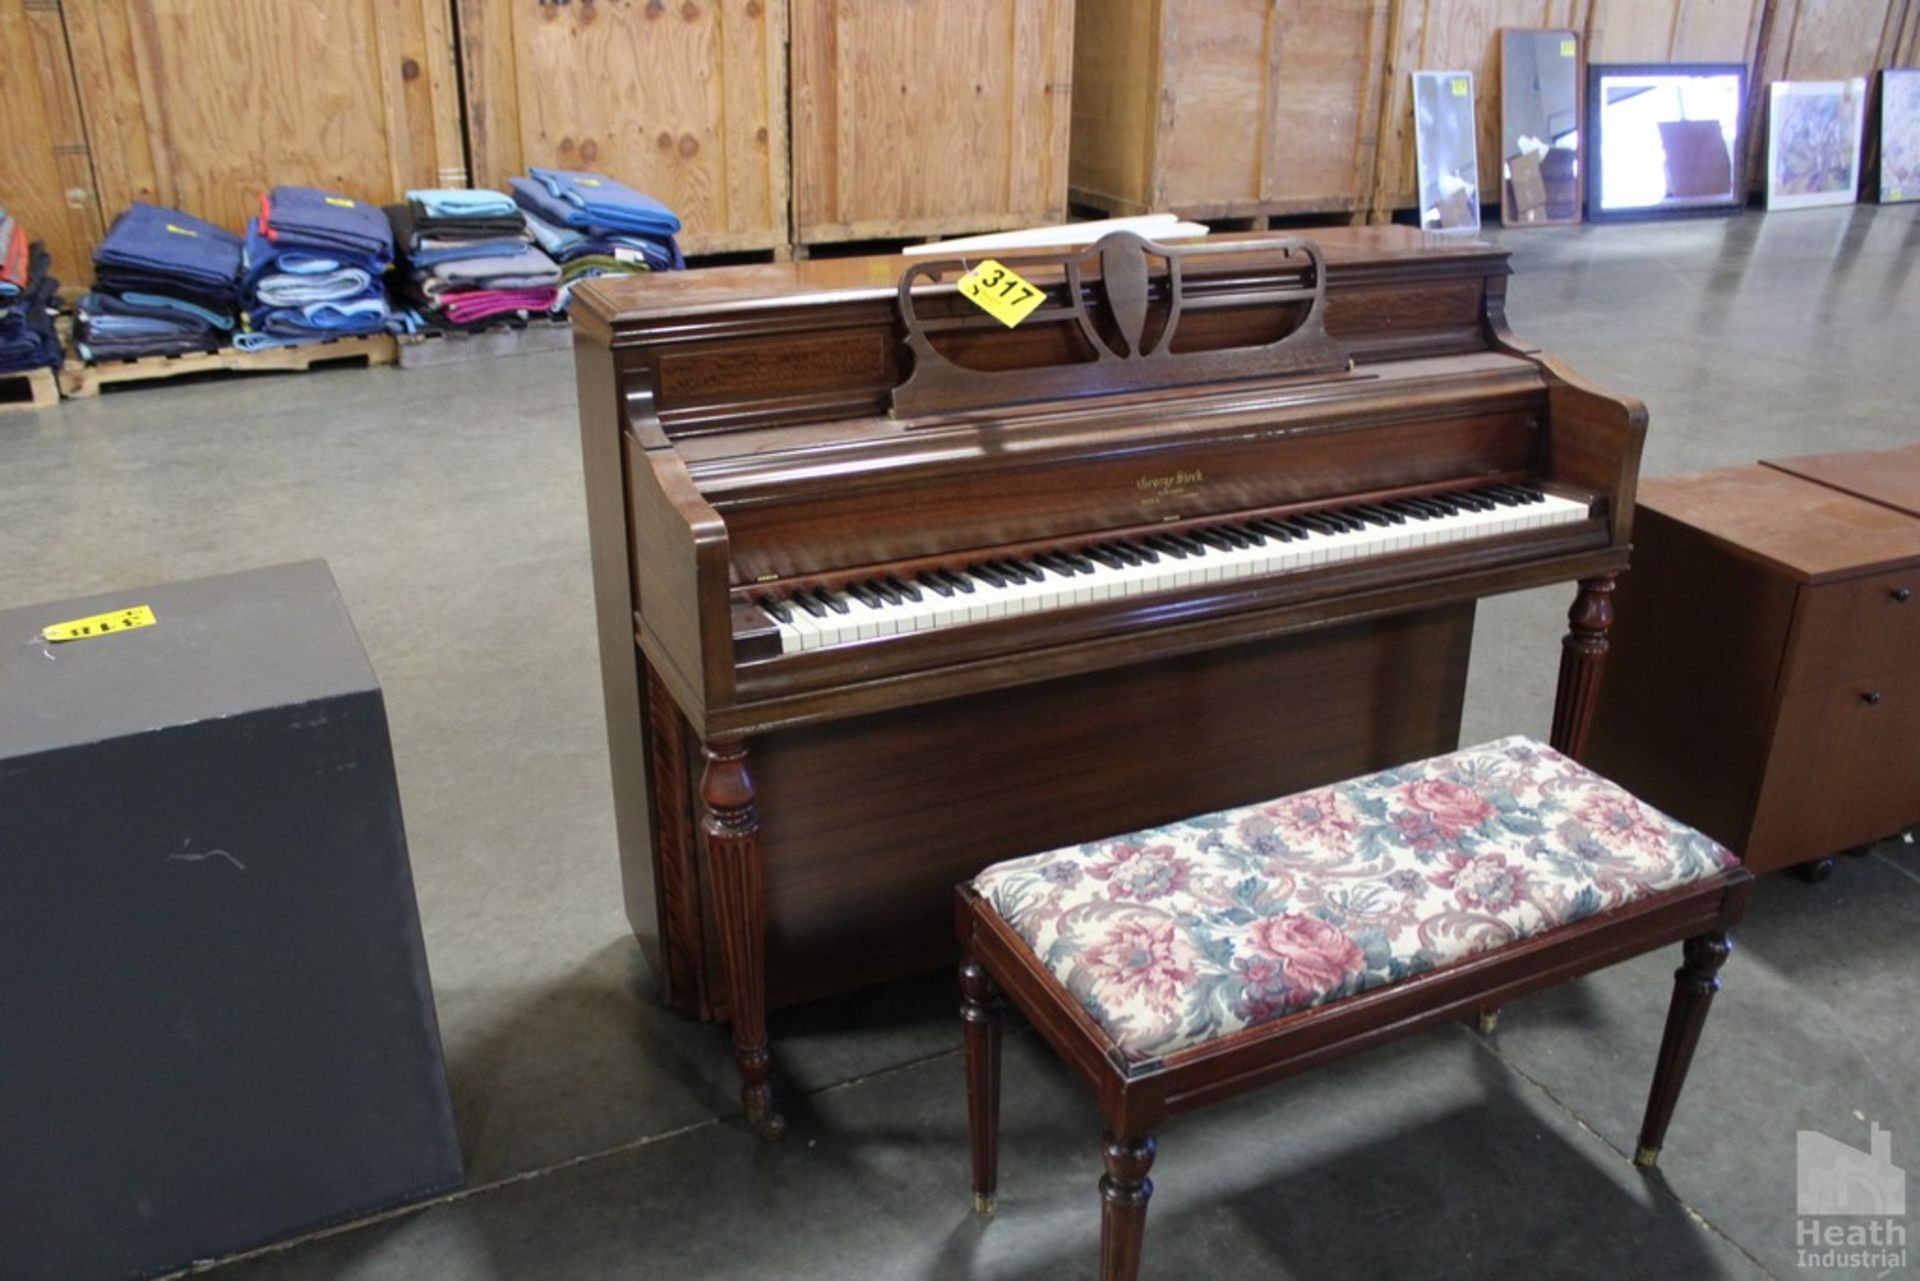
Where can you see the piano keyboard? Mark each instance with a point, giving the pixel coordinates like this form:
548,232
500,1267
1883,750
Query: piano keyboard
998,587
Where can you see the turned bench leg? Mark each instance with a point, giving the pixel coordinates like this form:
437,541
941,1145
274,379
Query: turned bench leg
1694,984
980,1014
1124,1192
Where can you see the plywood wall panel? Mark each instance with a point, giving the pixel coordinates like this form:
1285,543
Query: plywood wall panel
928,117
1116,89
202,106
687,102
1220,108
46,176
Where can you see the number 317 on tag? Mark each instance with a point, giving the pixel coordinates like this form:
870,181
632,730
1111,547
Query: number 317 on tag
1001,293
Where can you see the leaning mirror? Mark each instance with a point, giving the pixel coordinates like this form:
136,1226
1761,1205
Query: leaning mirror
1664,139
1539,128
1443,144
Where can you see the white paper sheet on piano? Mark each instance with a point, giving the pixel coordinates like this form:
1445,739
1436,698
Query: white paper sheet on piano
1066,235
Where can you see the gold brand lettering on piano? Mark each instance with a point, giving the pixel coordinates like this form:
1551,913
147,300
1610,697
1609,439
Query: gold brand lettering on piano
1171,481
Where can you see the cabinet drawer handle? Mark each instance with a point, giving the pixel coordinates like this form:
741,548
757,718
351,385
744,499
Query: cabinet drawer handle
1901,594
1871,698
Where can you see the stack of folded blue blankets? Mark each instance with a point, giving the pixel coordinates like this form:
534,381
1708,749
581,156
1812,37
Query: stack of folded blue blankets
27,338
315,268
469,259
164,283
594,226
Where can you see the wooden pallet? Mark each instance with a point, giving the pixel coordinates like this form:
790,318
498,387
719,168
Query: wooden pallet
455,346
31,389
78,380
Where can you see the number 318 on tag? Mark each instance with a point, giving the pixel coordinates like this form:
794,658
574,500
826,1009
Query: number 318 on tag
1001,293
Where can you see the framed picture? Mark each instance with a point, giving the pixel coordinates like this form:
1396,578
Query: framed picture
1813,142
1539,128
1664,139
1444,144
1896,137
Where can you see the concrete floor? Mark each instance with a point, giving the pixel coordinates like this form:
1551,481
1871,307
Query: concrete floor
601,1134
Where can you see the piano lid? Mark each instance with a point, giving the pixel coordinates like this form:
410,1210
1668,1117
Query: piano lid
603,307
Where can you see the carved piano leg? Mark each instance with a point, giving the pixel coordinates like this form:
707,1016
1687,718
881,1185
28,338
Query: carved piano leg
1582,656
1124,1192
732,830
980,1011
1694,984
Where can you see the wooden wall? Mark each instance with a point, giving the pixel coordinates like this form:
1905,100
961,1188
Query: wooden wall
687,102
200,105
920,118
46,179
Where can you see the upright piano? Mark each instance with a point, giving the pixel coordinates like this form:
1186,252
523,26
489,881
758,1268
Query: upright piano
888,590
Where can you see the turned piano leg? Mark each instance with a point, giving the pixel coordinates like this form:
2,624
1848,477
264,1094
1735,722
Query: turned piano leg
1583,654
732,831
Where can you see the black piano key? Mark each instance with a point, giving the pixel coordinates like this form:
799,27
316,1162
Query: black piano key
992,576
808,603
1105,556
903,587
864,594
1018,569
1390,517
1160,542
1214,539
935,583
884,590
1193,547
1473,500
1055,562
1441,503
1078,561
1318,522
1406,508
1371,515
960,581
1428,506
1273,529
1141,552
775,607
838,604
1253,537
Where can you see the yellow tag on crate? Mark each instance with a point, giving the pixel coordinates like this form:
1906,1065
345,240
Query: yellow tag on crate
1566,48
1001,293
1460,84
182,231
120,620
340,202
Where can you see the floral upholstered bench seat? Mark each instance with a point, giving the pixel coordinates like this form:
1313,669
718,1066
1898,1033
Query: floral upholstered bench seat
1184,963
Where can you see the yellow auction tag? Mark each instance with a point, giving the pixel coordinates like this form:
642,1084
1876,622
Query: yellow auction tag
340,202
1001,293
120,620
1566,48
1460,86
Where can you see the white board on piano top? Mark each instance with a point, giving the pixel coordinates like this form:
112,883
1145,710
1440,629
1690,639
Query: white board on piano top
1065,235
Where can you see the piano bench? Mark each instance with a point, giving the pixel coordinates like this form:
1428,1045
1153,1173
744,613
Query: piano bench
1179,966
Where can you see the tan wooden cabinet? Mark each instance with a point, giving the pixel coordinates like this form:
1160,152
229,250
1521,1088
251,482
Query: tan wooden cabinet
46,179
928,117
202,106
686,101
1226,108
